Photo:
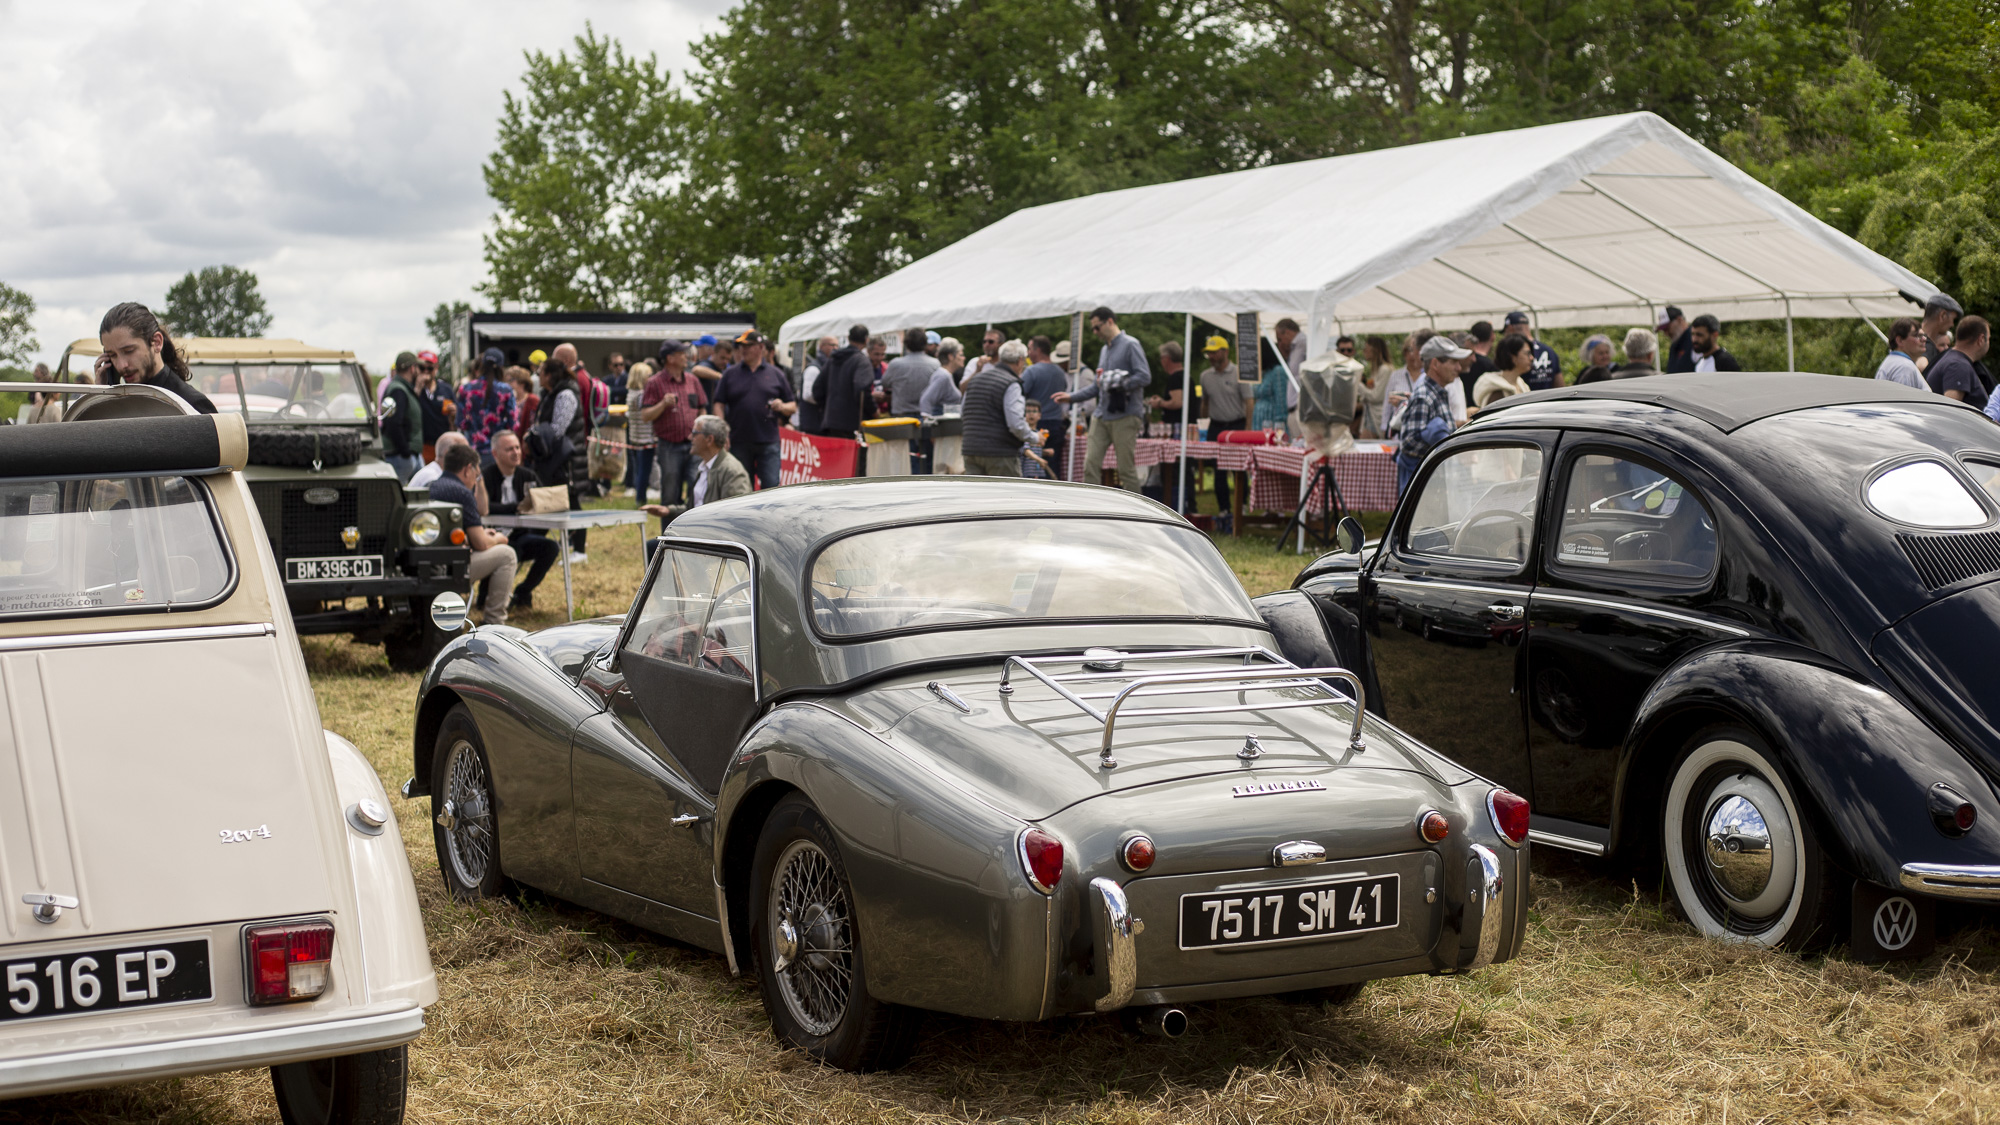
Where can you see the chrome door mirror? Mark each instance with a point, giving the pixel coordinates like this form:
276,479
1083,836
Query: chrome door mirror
388,408
1348,536
448,612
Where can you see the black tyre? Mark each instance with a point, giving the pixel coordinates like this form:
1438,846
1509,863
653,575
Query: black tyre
413,649
300,446
364,1089
463,824
809,957
1744,861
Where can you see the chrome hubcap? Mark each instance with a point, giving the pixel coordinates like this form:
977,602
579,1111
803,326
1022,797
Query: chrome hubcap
813,937
1739,848
468,817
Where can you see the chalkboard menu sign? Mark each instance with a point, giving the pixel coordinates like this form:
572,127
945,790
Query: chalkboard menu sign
1247,352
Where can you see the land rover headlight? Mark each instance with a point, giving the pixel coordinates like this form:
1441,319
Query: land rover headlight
424,528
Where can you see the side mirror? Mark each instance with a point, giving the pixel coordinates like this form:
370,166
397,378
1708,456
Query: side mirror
388,408
448,612
1348,536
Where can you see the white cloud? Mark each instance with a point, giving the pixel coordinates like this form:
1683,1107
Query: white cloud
334,149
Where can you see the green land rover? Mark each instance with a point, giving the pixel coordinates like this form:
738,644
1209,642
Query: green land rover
357,552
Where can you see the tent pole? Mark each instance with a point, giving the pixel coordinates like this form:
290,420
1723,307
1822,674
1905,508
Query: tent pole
1791,357
1864,319
1187,396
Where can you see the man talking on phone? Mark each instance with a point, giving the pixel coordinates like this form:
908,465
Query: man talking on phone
138,350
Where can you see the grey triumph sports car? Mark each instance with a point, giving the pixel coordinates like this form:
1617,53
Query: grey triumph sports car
1003,749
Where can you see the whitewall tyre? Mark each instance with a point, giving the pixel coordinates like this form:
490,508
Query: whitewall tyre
1744,862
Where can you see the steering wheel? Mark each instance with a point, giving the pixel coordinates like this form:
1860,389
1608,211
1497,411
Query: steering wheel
1467,542
305,409
822,603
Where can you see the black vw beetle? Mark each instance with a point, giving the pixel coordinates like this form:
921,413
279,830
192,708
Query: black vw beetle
1744,623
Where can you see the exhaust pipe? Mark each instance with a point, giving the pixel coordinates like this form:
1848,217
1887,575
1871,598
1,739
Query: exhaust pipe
1163,1020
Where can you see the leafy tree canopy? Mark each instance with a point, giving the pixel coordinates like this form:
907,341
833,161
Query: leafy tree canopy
217,301
17,311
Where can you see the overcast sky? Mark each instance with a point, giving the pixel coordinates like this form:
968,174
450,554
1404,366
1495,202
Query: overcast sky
331,148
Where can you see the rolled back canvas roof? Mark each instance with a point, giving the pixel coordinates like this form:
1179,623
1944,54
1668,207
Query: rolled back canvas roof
1600,221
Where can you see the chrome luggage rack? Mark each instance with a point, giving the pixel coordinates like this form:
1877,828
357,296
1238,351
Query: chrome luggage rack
1102,664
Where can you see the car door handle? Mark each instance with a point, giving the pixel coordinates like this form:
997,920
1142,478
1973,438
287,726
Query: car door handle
687,820
1507,612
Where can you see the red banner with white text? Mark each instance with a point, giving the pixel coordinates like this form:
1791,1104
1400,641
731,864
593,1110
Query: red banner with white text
804,457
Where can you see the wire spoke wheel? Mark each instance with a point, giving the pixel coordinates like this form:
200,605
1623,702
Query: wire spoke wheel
812,929
468,814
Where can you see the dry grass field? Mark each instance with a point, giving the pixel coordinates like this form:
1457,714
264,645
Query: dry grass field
1615,1012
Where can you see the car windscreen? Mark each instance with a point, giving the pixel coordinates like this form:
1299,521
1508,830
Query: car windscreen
956,574
108,545
285,392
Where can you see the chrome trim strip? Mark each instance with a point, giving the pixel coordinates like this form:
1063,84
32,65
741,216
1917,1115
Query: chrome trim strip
1491,907
1978,883
1517,590
135,636
1121,959
1650,611
1566,843
70,1070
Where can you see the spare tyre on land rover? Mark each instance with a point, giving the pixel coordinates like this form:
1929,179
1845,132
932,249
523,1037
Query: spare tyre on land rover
358,553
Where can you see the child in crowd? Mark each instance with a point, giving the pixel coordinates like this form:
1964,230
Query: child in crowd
1033,466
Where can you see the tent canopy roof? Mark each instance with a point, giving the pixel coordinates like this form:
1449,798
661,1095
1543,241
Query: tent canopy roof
1592,222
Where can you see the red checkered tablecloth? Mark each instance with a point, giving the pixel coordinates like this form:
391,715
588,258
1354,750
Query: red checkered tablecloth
1367,480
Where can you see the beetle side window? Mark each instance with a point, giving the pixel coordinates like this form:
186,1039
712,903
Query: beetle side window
1620,515
1926,494
1478,504
697,614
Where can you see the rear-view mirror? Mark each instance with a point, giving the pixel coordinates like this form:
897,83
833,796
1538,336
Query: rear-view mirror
1348,536
448,612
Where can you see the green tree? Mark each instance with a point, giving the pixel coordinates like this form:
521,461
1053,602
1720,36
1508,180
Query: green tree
217,301
584,177
17,311
438,324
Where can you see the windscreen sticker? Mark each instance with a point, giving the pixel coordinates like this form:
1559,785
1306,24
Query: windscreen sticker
1584,553
1023,592
42,603
41,503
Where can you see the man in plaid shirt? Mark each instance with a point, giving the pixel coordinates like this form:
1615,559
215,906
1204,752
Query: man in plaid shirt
1426,419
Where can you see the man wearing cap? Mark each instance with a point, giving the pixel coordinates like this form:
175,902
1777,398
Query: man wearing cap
670,402
1122,377
403,429
486,404
1548,369
1680,340
752,397
1426,419
1222,393
931,342
1940,314
435,406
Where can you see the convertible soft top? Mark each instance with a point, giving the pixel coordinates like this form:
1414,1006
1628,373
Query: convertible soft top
1730,400
190,444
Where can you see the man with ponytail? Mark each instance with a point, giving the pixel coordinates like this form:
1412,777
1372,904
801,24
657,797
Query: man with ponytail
138,350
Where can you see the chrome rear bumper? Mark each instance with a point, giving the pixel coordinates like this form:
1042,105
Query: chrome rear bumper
1951,880
110,1066
1121,960
1486,890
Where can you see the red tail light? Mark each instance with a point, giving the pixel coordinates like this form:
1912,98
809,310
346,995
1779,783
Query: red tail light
1510,815
288,962
1137,854
1433,825
1042,859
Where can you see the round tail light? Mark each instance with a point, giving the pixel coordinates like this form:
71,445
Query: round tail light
1137,854
1433,825
1042,859
1953,814
1510,815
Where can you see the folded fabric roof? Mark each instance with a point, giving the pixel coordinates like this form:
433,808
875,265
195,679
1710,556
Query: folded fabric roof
1593,222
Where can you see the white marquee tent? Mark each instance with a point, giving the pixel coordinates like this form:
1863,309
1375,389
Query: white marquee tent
1596,222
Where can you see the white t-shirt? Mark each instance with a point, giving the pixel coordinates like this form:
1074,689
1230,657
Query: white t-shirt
426,475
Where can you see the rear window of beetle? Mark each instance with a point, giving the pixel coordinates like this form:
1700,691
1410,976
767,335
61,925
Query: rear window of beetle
109,545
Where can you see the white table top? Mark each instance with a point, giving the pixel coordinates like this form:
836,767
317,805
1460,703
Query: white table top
572,520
